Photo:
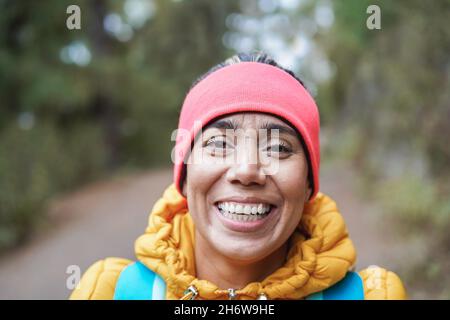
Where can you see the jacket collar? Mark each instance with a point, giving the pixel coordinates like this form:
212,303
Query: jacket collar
320,252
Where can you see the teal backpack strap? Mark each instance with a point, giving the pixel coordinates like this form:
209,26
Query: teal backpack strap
349,288
137,282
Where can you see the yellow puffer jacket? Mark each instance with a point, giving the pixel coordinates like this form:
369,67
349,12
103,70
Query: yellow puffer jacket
320,255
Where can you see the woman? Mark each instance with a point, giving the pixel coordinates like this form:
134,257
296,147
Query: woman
244,218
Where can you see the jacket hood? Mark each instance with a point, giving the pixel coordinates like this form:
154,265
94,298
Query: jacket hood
320,252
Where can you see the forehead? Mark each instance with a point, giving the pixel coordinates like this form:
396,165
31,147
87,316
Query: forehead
250,120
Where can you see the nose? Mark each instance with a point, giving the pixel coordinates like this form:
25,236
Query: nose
246,168
246,174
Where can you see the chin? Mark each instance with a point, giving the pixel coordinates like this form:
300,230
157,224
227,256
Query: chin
241,250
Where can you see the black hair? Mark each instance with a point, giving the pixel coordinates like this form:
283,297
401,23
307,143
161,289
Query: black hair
257,56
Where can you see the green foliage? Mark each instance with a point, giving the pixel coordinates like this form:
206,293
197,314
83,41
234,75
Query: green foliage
415,201
38,163
391,88
64,123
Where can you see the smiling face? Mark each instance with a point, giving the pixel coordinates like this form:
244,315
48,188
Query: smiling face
246,185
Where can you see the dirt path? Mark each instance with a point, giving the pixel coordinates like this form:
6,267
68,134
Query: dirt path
104,220
101,220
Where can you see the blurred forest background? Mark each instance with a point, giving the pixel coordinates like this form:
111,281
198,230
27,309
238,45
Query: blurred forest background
81,105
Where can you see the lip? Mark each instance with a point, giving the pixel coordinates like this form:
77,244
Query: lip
247,226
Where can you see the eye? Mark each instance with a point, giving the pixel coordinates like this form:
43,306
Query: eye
279,148
218,145
216,142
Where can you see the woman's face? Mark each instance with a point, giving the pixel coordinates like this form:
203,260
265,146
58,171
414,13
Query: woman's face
246,185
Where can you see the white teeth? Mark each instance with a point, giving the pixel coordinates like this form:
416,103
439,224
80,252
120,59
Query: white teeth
247,209
260,208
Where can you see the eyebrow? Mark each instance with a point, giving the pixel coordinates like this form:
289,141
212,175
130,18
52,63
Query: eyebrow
280,127
224,124
233,125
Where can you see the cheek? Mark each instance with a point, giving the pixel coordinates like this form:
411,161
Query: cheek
200,179
291,180
201,176
292,177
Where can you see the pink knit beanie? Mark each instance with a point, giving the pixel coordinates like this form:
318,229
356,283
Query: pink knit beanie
248,87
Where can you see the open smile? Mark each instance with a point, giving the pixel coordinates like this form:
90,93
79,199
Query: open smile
245,216
239,211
